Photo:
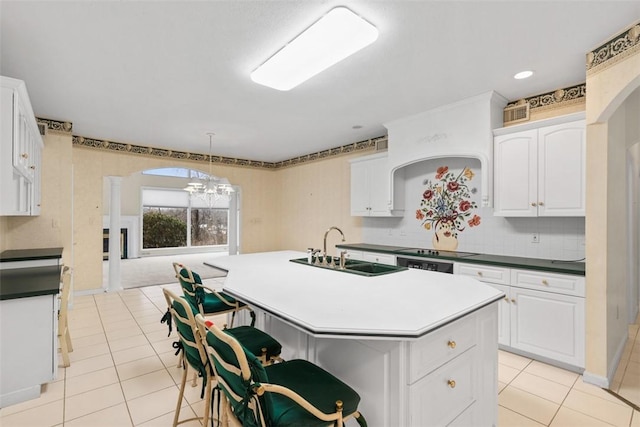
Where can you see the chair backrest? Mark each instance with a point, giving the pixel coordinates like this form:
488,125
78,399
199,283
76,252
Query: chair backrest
238,373
189,282
182,313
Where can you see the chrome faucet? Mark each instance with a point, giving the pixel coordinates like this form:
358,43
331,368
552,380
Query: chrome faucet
325,237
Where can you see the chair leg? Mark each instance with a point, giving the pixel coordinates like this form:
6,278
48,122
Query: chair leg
207,406
65,351
68,339
180,396
194,382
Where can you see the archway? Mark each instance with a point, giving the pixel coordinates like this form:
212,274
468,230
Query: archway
160,221
612,128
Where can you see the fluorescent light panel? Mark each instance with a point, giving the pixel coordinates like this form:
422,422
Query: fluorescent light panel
337,35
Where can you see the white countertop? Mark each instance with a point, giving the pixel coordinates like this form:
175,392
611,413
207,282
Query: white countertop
402,305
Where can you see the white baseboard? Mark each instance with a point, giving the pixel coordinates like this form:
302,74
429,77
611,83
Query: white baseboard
597,380
605,382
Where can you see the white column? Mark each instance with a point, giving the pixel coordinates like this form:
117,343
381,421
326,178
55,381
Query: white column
114,234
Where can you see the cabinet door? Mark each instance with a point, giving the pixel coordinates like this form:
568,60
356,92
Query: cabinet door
547,324
515,174
379,187
360,189
561,169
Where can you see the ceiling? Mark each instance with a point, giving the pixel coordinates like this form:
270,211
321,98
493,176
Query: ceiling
164,73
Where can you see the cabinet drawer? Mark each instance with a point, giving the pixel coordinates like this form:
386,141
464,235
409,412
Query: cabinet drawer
539,280
380,258
484,273
440,346
439,398
353,254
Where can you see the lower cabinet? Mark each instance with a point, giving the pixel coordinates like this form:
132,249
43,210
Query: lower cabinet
542,314
548,324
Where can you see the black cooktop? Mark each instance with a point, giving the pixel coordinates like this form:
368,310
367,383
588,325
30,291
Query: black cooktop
434,253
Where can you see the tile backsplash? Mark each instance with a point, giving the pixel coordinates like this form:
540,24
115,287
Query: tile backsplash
561,238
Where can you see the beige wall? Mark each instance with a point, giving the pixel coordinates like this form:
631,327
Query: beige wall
316,197
52,228
285,209
260,205
611,129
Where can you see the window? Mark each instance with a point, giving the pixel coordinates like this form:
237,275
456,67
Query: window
173,219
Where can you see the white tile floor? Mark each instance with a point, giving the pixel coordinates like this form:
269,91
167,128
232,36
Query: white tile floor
123,373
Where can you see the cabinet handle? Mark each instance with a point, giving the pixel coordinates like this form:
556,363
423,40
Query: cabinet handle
534,204
513,300
25,155
544,282
540,204
451,344
452,383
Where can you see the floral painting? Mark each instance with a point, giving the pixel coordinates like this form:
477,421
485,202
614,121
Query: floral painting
446,206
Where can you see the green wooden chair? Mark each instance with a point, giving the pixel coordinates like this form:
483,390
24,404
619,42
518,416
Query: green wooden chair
193,354
208,301
294,393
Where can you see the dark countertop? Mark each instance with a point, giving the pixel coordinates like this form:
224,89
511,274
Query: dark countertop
552,266
29,282
30,254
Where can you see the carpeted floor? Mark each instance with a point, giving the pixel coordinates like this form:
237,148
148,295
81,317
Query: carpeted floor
148,271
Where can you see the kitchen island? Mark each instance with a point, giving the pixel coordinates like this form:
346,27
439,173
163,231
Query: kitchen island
419,347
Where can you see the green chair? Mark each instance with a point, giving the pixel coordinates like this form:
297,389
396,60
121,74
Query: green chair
294,393
193,354
208,301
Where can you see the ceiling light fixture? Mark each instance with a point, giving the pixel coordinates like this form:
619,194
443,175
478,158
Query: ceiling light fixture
209,188
337,35
523,75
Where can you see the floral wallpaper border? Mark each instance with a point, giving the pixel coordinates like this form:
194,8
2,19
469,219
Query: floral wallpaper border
614,50
81,141
566,95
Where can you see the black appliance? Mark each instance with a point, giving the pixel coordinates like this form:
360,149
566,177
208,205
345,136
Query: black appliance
426,264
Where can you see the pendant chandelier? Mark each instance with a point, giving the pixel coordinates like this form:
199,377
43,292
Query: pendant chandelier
210,188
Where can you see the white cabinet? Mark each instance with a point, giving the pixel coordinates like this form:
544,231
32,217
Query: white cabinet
541,314
372,191
21,151
540,171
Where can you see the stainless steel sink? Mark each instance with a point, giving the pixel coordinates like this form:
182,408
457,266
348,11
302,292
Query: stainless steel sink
361,268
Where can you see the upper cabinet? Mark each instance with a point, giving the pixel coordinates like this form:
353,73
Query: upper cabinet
373,191
21,151
539,169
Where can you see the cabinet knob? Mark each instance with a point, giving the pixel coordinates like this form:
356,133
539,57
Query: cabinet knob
25,155
513,300
506,299
451,344
452,383
540,204
480,273
32,167
544,282
534,204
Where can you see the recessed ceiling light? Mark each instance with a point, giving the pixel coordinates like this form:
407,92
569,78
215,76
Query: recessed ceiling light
523,75
337,35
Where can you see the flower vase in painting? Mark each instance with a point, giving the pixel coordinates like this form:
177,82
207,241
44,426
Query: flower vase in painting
447,208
